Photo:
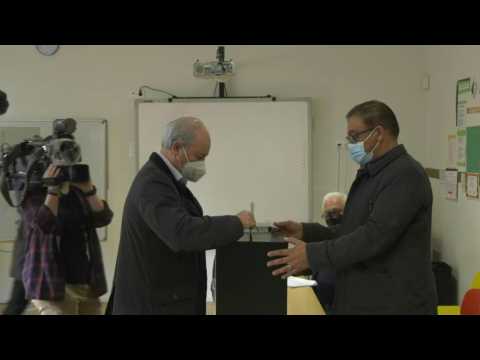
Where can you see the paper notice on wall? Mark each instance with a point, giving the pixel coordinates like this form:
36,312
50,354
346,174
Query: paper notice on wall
464,93
452,150
472,186
461,149
451,184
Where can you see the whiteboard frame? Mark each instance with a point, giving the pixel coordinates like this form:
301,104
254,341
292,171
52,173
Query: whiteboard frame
27,123
307,100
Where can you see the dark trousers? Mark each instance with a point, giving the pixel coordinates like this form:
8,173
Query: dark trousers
325,290
17,303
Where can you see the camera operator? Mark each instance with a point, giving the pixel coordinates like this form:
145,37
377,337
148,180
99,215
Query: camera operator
63,271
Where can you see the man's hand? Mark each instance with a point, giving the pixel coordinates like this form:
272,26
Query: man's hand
247,219
290,229
294,259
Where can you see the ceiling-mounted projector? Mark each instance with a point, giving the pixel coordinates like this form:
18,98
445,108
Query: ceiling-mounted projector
213,70
219,70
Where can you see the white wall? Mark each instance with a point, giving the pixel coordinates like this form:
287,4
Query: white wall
95,82
456,227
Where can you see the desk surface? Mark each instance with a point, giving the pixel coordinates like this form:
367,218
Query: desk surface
303,301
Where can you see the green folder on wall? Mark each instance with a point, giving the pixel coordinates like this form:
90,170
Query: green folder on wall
473,149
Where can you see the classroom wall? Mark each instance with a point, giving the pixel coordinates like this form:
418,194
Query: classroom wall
96,82
456,227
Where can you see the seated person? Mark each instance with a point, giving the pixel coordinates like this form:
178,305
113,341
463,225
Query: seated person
332,211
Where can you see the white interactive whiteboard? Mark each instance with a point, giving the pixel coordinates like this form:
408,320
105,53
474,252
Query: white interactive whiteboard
92,137
260,152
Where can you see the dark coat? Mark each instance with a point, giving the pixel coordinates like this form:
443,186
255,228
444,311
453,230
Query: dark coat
382,251
161,267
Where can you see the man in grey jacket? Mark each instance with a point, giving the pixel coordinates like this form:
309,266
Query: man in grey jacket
161,267
381,253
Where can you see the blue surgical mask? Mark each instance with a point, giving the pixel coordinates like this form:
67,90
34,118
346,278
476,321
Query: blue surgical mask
358,153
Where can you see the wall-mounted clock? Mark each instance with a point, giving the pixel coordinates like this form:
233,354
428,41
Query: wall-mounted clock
47,50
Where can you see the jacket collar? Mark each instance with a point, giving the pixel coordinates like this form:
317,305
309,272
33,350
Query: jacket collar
180,185
160,163
176,174
377,165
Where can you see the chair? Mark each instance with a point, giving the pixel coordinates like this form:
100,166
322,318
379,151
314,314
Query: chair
476,281
470,305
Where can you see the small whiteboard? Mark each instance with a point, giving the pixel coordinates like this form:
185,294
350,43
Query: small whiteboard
260,152
92,137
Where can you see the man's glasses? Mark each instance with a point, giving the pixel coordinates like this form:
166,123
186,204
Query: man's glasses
352,139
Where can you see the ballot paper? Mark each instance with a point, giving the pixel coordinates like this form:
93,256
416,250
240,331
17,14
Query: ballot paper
293,282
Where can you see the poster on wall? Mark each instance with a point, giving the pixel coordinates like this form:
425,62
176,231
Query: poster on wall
452,150
461,149
471,190
473,149
464,92
473,109
463,184
451,184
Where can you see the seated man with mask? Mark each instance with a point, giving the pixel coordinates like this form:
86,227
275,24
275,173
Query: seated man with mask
332,211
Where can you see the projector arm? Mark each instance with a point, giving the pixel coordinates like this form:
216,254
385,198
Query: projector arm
221,59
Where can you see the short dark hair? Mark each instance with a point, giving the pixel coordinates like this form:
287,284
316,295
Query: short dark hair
3,103
375,113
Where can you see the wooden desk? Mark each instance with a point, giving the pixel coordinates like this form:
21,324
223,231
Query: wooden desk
303,301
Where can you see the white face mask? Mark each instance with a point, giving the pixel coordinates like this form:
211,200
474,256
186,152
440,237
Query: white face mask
193,170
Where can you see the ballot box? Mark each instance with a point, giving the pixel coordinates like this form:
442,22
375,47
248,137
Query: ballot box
244,283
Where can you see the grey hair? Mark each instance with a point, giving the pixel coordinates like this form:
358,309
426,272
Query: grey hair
182,129
331,195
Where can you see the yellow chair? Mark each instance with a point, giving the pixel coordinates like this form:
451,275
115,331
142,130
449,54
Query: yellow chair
455,309
476,281
448,310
